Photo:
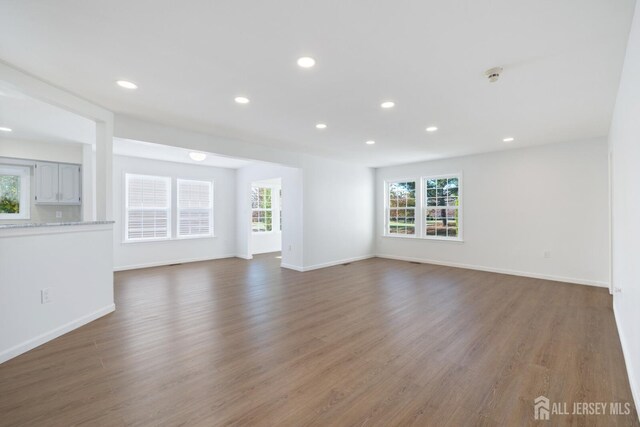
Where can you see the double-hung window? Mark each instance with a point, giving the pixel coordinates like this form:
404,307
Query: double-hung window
426,207
402,208
442,207
195,208
14,192
261,210
147,207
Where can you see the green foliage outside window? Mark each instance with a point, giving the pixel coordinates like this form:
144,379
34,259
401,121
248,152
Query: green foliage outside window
9,194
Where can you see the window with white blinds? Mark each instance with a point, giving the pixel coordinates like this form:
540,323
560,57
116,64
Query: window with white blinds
147,207
195,208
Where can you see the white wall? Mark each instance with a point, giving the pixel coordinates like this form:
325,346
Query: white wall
144,254
74,262
49,152
338,203
517,204
292,227
328,184
624,144
267,242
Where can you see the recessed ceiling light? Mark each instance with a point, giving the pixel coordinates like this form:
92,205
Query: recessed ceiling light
388,104
321,126
306,62
370,142
431,129
509,139
4,129
127,85
241,100
198,157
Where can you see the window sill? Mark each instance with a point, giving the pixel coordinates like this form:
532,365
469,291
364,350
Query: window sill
439,239
202,236
168,239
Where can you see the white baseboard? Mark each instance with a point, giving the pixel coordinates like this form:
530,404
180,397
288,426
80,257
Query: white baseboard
244,256
326,264
17,350
176,261
291,267
499,270
635,390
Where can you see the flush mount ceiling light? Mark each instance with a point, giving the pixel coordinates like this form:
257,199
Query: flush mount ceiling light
241,99
388,104
5,129
370,142
198,157
509,139
306,62
126,84
431,129
321,126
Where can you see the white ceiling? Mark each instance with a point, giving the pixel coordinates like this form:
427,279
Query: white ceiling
35,120
147,150
561,59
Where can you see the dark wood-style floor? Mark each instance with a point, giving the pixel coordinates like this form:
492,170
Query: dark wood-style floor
377,342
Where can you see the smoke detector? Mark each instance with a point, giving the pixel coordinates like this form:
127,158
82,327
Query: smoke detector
493,74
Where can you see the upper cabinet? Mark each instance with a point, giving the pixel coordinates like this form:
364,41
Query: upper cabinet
69,184
58,183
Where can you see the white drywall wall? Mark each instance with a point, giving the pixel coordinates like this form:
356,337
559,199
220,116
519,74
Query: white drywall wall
624,145
145,254
517,205
73,262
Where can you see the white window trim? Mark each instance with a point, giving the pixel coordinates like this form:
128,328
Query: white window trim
24,172
126,210
274,215
420,209
211,208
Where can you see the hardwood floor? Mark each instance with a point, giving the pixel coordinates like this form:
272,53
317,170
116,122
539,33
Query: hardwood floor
377,342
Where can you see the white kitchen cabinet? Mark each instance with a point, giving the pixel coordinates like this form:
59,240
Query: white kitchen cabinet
46,182
57,183
68,184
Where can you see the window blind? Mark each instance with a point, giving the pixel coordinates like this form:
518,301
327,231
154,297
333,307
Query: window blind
195,208
148,207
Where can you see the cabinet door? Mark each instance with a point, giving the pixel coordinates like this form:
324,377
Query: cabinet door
69,184
46,182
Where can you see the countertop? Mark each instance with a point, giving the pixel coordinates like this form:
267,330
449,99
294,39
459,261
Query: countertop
53,224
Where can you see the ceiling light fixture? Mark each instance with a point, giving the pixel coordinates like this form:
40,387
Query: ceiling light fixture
198,157
306,62
127,85
4,129
321,126
388,104
509,139
241,100
370,142
431,129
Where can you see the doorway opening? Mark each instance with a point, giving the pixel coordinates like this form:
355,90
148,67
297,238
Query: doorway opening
266,216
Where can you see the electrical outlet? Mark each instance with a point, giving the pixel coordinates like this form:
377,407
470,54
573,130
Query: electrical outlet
45,296
58,214
547,254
